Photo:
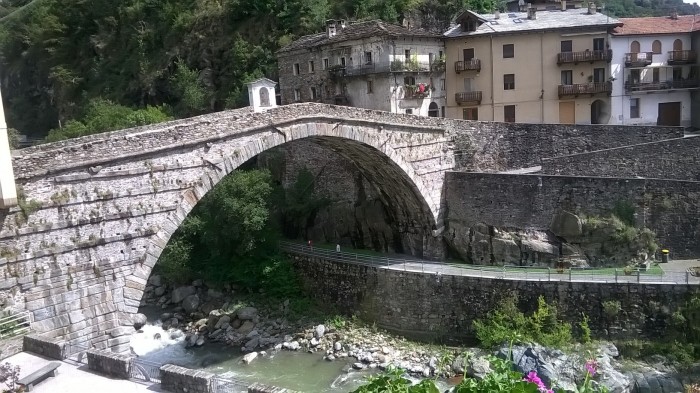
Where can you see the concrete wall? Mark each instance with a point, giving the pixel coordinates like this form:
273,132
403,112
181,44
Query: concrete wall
669,207
434,307
537,75
671,159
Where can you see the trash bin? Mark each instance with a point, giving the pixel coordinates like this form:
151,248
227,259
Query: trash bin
664,256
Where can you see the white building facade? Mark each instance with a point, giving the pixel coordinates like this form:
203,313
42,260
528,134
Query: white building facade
371,65
654,71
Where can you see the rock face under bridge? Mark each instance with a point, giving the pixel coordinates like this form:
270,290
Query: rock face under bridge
96,212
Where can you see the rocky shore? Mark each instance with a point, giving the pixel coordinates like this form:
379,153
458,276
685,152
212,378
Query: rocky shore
208,315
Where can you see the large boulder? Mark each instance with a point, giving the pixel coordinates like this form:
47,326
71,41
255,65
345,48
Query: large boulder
190,303
179,294
155,280
566,224
247,313
480,245
246,327
138,320
506,250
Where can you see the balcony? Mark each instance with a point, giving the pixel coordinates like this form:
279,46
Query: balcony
693,83
678,57
418,91
641,59
468,97
588,55
585,88
468,65
385,67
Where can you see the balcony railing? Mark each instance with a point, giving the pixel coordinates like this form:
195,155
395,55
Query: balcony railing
385,67
641,59
681,57
468,65
468,97
585,88
665,85
589,55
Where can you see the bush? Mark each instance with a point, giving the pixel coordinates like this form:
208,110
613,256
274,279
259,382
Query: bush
611,308
507,324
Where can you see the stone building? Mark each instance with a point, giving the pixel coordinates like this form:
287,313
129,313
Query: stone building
372,64
654,70
535,66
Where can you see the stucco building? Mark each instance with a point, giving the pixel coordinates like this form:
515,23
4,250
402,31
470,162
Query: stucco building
534,66
654,70
372,64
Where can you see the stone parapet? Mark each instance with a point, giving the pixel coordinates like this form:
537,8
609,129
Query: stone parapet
260,388
109,363
50,347
178,379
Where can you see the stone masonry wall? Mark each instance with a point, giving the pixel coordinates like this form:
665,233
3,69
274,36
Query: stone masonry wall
108,363
427,306
669,159
178,379
669,207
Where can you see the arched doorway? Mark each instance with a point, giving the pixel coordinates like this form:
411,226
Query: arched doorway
656,47
634,47
677,45
264,97
600,112
433,110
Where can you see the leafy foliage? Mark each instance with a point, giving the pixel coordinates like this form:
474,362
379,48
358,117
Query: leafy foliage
507,323
9,375
393,381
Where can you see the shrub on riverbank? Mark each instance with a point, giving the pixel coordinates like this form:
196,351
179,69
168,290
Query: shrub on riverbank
507,324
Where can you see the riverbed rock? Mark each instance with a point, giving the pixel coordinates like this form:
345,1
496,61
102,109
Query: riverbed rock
247,313
319,331
222,321
190,304
160,291
566,224
199,342
214,294
139,320
358,366
477,367
156,280
249,357
253,343
246,327
338,346
179,294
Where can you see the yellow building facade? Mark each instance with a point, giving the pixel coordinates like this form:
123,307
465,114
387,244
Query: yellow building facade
530,67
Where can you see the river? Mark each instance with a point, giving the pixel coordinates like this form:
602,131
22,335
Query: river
300,371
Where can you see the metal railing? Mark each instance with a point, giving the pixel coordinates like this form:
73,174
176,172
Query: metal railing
76,351
589,55
523,273
682,57
468,65
665,85
585,88
467,97
640,59
145,370
384,67
15,324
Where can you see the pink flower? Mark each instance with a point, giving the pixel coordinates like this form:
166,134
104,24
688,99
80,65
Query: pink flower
532,377
591,367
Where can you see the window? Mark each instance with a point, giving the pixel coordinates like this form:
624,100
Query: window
296,69
677,45
634,108
634,47
325,64
312,67
656,47
599,75
368,58
409,80
369,87
508,51
297,95
433,110
431,59
599,44
409,111
509,113
567,77
407,54
442,111
635,76
442,84
342,61
313,93
655,75
440,57
468,54
567,46
470,113
509,82
677,74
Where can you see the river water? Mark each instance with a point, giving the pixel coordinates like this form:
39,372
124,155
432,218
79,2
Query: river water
300,371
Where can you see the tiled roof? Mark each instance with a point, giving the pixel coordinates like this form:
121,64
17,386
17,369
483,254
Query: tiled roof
514,22
373,28
658,25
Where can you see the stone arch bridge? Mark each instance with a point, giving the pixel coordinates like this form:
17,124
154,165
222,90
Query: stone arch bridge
96,212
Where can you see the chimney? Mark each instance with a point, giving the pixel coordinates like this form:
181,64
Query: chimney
563,5
521,5
331,28
592,8
497,15
531,12
674,14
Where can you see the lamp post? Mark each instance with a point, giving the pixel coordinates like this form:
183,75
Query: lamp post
8,192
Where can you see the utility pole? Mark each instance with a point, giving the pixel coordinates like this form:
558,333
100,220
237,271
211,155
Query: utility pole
8,192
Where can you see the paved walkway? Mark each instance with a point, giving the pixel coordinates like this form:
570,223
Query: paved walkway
75,378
